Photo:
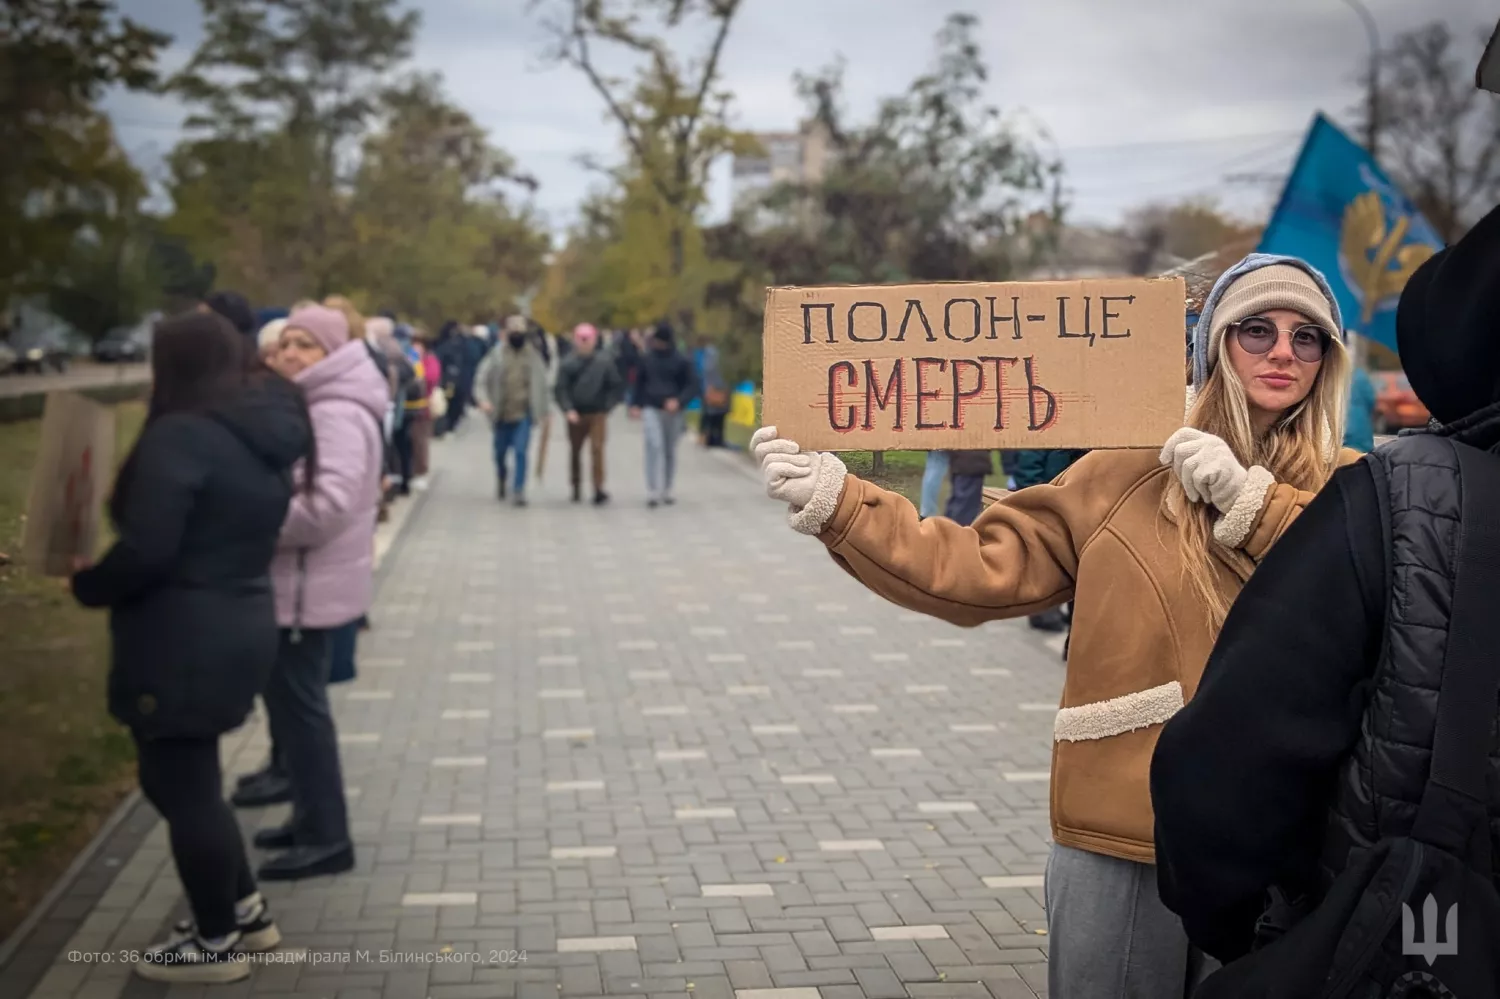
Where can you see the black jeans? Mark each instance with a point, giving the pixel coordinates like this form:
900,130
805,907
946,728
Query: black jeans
966,499
302,730
181,777
401,441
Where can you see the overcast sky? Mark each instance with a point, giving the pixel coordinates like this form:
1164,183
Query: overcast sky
1144,101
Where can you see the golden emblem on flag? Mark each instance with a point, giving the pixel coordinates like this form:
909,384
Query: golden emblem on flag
1376,259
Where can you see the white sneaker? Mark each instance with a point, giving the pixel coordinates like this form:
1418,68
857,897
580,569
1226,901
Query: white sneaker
189,959
419,483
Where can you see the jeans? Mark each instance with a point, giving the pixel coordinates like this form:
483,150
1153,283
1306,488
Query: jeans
588,430
513,436
342,644
181,778
1110,935
933,474
967,499
662,432
305,738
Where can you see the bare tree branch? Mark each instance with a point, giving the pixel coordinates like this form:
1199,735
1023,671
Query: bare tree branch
725,11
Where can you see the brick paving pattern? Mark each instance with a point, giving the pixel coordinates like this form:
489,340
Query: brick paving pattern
662,753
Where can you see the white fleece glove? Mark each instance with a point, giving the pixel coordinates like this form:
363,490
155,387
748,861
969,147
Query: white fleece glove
1206,467
810,483
1210,473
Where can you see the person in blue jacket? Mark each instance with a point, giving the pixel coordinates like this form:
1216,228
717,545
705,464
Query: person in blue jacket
1034,468
1359,432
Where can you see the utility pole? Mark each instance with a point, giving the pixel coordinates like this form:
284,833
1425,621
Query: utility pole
1372,122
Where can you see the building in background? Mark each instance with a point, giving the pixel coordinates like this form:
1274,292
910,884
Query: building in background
798,157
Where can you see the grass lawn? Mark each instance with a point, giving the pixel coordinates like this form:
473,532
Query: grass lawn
67,763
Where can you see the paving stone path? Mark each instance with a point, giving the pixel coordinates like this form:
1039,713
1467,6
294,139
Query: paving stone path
663,753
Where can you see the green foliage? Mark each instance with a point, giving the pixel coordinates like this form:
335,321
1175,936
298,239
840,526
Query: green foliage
322,167
62,172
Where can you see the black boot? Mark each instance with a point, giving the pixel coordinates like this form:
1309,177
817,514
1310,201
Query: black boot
272,790
1051,620
577,493
501,490
274,838
308,862
601,497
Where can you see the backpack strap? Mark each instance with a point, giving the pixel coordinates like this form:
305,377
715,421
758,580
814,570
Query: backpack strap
1455,806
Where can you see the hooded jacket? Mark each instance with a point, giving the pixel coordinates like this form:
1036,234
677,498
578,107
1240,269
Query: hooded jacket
200,506
325,555
1097,536
1323,717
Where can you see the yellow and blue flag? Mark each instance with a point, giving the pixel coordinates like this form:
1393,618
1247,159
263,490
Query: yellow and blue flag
1341,213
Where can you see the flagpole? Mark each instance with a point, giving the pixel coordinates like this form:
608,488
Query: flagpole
1360,349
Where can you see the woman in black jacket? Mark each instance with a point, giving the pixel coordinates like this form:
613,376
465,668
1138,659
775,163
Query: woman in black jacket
198,506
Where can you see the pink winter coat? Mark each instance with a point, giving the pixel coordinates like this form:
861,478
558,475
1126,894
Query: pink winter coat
325,556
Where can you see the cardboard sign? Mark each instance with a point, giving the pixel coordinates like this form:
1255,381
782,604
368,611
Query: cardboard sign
1054,364
74,465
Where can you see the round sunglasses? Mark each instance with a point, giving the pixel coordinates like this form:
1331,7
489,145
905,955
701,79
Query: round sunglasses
1257,335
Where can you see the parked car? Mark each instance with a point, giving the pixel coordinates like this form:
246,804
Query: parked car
38,353
1396,405
7,358
124,344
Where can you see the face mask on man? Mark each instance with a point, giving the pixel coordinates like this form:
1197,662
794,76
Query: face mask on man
517,340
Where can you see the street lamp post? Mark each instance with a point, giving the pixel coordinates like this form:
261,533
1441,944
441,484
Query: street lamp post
1372,122
1372,84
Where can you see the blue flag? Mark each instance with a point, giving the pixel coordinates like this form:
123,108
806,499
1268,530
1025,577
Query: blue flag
1342,214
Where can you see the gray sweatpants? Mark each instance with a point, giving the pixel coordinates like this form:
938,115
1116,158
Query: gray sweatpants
1110,936
662,432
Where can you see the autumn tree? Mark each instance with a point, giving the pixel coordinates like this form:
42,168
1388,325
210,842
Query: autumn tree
435,231
671,113
1438,135
282,91
940,185
1164,234
63,176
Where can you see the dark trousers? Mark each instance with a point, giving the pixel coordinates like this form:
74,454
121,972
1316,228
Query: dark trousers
303,732
181,777
401,442
713,429
966,499
341,651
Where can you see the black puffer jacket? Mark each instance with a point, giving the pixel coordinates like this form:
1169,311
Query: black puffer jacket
192,619
1310,732
663,374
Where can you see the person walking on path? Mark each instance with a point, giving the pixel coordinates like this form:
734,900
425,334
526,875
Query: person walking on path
1313,740
664,385
970,469
197,509
715,392
323,578
1184,528
1035,467
934,471
429,371
511,389
589,385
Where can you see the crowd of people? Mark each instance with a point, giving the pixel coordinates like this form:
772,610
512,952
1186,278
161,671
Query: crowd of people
243,566
1256,600
1278,723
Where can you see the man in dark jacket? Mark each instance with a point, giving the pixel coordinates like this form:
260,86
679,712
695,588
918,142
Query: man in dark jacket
1036,467
589,385
1310,733
665,383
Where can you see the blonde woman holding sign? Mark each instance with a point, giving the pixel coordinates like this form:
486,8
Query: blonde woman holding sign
1152,548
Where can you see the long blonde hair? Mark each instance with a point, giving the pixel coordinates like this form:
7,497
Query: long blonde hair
1301,450
356,321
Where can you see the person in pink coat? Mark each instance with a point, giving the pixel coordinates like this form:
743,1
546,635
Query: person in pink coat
323,579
